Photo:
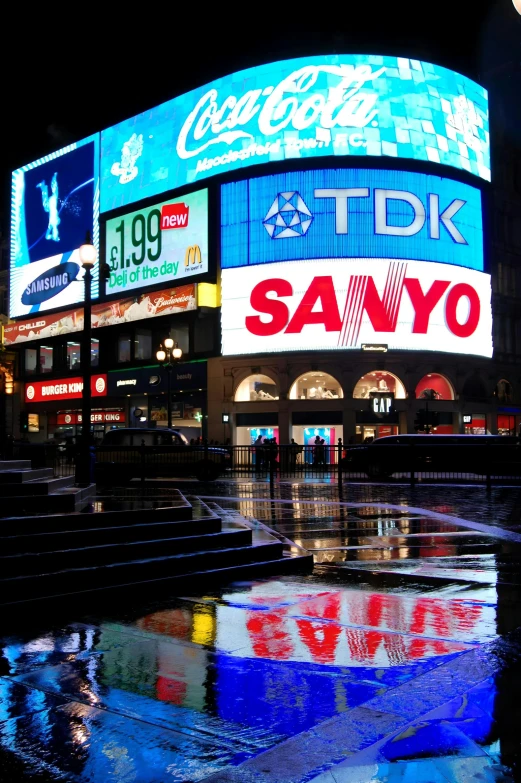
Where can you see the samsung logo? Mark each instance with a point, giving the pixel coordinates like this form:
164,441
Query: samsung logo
50,283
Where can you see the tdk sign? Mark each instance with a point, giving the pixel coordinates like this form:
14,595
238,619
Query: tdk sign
351,213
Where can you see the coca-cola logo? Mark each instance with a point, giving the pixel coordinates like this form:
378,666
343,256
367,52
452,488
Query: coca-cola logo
346,99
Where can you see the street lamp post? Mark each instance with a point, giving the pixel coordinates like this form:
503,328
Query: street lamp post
167,357
83,461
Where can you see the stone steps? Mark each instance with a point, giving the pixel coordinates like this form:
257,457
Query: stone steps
51,557
118,553
22,476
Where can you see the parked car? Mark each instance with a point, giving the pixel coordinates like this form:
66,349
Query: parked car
481,454
128,453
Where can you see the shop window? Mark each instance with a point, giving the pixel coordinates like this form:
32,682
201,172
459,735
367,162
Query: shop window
73,356
30,360
257,388
379,382
45,358
94,353
124,348
434,387
506,425
204,335
181,336
477,424
143,344
315,385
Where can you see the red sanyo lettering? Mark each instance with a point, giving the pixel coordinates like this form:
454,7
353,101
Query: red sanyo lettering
322,291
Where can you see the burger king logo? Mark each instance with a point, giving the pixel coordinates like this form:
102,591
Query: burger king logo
100,385
30,392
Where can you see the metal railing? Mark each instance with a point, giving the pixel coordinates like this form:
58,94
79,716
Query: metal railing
270,462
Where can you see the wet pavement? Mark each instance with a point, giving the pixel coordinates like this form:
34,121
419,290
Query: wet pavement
397,659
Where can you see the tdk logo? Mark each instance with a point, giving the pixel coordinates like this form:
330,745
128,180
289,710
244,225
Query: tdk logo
289,216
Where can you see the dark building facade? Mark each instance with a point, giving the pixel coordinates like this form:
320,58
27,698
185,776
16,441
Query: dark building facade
326,240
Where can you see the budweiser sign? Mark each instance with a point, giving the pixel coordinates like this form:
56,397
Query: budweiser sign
147,305
343,303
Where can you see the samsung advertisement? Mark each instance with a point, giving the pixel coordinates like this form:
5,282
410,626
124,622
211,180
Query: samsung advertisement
55,201
363,105
342,213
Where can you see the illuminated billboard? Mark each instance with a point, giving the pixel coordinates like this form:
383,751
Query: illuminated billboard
164,243
351,213
150,304
297,109
338,304
64,389
55,200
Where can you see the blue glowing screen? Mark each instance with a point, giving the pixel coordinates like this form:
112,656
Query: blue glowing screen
55,201
296,109
351,213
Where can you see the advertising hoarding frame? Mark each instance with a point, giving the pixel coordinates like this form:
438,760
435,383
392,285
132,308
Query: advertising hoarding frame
338,304
462,124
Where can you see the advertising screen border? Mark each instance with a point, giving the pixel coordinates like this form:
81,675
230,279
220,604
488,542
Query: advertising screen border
17,218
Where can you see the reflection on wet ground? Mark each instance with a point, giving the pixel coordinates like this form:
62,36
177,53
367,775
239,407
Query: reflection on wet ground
395,660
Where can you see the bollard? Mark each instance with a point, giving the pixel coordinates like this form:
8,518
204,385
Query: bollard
142,455
339,467
413,475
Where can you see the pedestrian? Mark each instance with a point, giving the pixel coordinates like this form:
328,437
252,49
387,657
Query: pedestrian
316,451
294,451
259,453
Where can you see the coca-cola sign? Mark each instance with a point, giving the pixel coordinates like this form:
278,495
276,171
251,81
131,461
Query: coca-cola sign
307,107
340,304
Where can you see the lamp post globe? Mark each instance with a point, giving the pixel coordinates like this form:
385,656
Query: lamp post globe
167,354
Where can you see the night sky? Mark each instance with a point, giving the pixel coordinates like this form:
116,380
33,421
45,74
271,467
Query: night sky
61,82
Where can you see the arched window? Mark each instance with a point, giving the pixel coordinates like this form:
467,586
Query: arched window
316,385
504,391
434,386
379,382
256,388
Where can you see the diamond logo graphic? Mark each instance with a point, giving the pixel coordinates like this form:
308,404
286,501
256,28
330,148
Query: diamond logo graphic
288,216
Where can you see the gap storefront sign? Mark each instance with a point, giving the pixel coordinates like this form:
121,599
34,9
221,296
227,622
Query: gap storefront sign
357,213
64,389
187,376
340,304
301,108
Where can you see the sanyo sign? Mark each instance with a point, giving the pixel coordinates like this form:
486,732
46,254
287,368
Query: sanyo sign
340,304
359,213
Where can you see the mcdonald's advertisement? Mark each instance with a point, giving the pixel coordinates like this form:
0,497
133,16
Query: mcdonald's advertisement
162,243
